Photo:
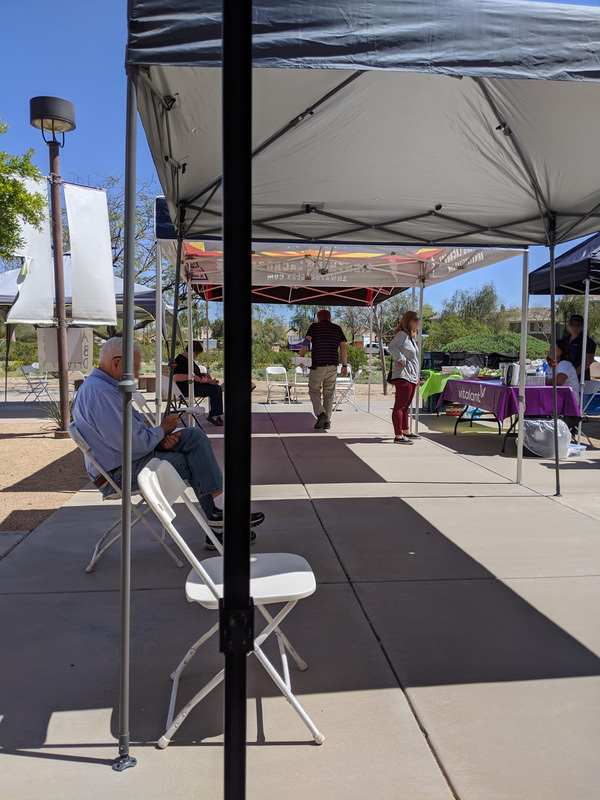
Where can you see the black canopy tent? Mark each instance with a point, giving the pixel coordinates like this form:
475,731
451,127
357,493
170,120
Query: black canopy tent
576,272
325,145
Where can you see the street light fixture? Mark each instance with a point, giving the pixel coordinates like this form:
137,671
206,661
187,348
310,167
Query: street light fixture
53,115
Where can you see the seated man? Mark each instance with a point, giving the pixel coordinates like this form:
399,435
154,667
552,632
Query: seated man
204,385
98,415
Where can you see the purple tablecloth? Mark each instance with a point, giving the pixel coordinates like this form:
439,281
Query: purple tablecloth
503,401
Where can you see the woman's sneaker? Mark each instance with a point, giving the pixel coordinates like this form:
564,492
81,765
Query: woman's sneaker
216,519
209,545
402,440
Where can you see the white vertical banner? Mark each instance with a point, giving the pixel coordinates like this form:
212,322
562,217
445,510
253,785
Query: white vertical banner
93,285
35,300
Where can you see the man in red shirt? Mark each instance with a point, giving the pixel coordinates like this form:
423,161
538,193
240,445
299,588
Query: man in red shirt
325,339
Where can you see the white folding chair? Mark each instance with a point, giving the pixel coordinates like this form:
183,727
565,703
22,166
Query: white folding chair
345,391
300,381
591,390
192,412
277,378
141,405
274,578
137,509
37,382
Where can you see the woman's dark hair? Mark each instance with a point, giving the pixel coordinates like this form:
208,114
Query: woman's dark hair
562,351
196,346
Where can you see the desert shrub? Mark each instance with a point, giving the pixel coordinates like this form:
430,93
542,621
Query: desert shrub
357,358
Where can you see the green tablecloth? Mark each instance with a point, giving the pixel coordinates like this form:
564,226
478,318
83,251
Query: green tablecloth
435,384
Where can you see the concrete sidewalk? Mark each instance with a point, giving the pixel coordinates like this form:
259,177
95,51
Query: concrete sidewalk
452,643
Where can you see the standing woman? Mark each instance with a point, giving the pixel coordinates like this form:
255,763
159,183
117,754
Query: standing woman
405,374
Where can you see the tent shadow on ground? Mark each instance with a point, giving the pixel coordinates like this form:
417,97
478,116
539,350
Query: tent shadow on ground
18,410
456,622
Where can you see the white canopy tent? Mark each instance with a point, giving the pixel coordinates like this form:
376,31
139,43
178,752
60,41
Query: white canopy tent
371,123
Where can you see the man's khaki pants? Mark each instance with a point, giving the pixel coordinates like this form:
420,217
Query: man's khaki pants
321,388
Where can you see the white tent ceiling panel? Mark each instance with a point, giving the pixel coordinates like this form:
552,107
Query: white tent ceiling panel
374,159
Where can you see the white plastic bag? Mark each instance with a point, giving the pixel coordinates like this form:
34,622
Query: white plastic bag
538,437
468,373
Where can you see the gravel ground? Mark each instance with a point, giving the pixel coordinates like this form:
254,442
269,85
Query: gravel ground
38,474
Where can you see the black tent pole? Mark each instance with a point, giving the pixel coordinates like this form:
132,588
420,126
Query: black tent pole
127,387
8,331
552,244
175,311
236,611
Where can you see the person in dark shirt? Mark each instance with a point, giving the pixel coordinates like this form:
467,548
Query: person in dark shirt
325,340
574,341
204,385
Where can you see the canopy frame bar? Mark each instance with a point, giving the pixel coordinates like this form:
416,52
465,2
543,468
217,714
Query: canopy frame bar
308,112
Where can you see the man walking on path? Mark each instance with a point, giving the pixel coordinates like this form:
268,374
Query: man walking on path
324,339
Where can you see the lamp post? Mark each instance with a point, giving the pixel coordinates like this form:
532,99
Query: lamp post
53,115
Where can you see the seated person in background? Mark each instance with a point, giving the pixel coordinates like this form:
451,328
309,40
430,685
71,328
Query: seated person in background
566,374
98,415
574,341
204,385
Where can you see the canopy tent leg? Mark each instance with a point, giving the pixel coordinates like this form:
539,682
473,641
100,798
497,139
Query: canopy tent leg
586,314
127,387
190,344
371,356
8,328
413,302
207,357
236,608
175,311
522,360
159,334
420,346
552,242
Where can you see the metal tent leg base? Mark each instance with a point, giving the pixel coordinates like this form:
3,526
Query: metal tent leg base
122,763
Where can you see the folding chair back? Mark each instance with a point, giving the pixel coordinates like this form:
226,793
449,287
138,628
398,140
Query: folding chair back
82,444
161,486
277,377
300,381
141,405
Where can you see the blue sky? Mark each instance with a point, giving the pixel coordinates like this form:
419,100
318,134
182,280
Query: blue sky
75,49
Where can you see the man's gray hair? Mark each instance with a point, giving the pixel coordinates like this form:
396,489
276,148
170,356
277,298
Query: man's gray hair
113,348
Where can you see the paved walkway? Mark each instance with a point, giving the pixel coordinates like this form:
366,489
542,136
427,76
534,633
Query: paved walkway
453,640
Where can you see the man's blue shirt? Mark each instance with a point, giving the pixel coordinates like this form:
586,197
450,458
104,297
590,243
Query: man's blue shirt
98,415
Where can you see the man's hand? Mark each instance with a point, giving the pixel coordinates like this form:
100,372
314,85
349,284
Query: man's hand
170,423
344,372
169,441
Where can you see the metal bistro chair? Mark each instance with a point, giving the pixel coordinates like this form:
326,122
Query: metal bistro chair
300,382
37,382
274,381
275,578
137,510
345,391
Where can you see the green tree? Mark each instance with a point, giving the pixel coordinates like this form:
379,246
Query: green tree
475,305
17,206
570,304
352,319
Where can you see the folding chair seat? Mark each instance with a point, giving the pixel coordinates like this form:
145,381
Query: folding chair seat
139,510
277,378
281,578
345,391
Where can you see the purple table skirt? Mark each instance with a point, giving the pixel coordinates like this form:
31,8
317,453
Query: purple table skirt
503,401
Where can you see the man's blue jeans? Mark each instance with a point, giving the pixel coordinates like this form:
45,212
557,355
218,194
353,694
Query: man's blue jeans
195,462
